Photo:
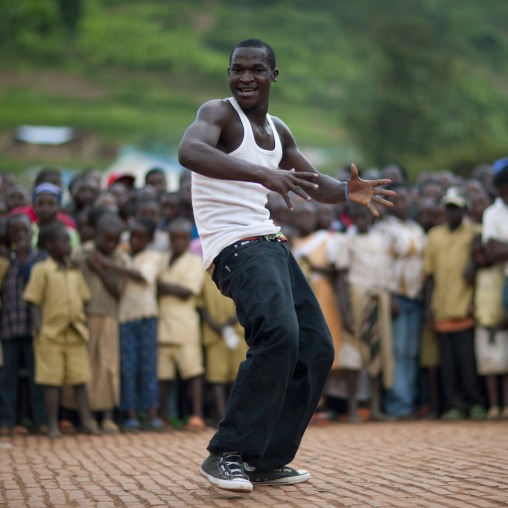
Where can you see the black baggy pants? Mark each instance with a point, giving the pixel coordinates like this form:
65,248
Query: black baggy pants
290,353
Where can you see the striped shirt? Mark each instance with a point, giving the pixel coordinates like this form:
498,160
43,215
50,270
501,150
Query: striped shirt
102,301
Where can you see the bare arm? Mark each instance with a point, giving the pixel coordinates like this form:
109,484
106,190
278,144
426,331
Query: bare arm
331,191
94,261
496,251
205,316
165,288
217,327
199,152
35,315
129,272
328,271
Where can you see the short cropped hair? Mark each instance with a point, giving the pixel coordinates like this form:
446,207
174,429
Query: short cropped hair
256,43
154,171
109,221
181,224
50,232
46,174
149,224
94,214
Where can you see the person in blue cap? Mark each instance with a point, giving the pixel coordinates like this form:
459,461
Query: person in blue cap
495,240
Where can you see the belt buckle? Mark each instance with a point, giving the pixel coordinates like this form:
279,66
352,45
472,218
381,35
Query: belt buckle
271,237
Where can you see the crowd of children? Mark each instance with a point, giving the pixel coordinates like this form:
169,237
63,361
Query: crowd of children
109,321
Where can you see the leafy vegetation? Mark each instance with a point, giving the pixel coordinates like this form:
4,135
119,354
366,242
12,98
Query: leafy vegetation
424,83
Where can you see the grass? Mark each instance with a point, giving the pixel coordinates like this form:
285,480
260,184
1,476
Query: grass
136,106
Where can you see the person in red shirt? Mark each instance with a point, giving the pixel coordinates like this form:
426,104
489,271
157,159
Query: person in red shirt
45,175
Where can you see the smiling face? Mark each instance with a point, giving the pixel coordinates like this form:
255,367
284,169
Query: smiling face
250,77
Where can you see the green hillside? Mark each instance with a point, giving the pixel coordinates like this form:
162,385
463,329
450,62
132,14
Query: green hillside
424,82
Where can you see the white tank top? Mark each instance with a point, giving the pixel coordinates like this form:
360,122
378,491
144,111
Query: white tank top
226,210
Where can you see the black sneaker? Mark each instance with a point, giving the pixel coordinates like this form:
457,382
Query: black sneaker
282,476
225,470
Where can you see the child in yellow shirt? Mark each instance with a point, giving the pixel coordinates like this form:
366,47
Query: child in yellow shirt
57,293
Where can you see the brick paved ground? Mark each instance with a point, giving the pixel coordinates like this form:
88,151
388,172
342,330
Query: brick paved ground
429,464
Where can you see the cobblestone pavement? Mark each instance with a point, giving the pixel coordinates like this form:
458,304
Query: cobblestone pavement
430,464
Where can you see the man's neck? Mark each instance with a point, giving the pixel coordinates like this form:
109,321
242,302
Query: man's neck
257,115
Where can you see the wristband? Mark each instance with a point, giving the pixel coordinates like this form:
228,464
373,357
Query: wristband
347,197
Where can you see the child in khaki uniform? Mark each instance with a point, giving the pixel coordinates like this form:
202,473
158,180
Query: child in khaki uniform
223,339
179,335
57,293
106,286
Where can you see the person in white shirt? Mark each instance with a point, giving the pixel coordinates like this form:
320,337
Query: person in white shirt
406,241
235,150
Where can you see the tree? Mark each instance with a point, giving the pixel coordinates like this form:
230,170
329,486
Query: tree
70,13
405,108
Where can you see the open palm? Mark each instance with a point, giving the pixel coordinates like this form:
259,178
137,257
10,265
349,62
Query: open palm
367,192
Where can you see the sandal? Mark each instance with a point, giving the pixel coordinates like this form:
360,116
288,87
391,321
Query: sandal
19,430
131,425
493,413
320,418
195,424
67,428
154,425
42,430
92,429
452,415
477,412
110,427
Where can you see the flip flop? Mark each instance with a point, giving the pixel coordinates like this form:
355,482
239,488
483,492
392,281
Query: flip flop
67,428
110,427
195,424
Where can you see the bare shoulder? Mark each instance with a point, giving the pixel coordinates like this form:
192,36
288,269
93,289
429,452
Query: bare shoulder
216,111
283,130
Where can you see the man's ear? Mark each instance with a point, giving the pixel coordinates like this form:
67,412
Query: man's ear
275,75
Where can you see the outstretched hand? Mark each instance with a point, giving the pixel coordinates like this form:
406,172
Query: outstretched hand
285,182
365,192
